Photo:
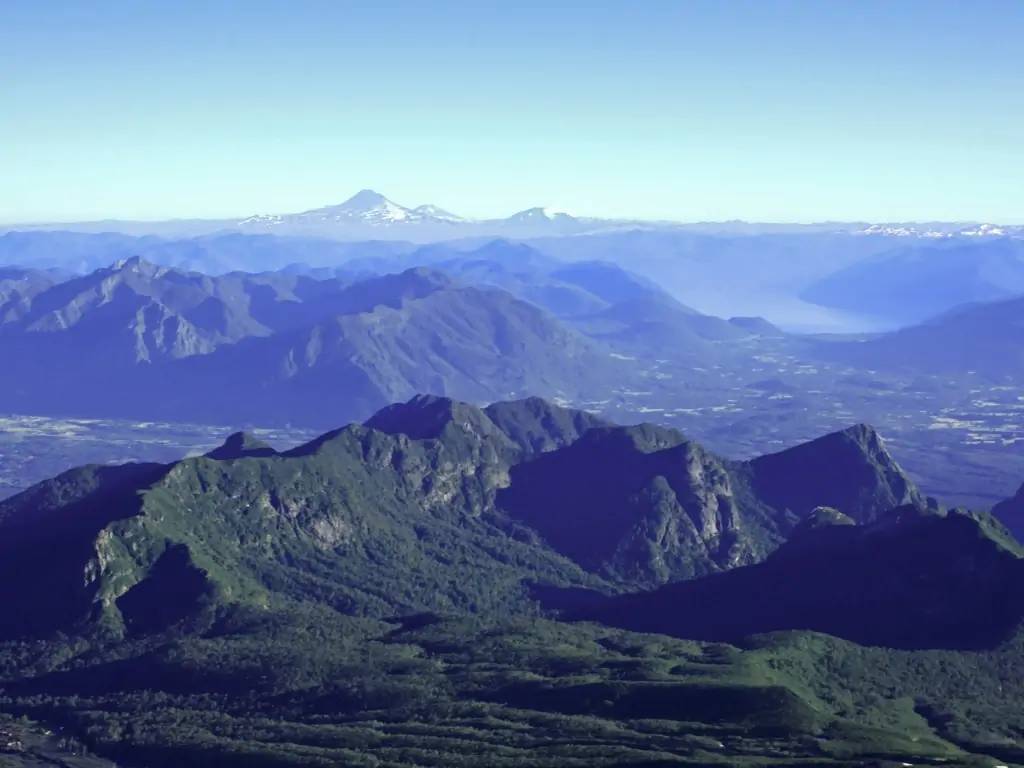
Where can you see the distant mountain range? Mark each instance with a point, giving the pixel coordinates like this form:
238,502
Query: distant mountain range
214,254
912,284
147,341
316,345
810,279
986,339
369,215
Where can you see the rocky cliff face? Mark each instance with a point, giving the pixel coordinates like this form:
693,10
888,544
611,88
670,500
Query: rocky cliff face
644,505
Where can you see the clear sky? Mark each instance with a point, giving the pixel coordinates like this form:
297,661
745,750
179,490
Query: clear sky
796,111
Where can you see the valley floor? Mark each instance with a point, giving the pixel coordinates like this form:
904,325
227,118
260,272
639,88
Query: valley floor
961,439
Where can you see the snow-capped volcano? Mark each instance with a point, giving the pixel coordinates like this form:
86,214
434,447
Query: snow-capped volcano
434,212
540,214
373,208
365,208
369,215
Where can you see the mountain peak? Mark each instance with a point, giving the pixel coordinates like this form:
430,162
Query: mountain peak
423,417
136,264
533,424
864,435
367,206
428,417
539,214
240,445
364,200
850,470
436,212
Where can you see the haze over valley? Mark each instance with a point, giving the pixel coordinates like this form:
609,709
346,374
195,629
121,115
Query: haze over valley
317,332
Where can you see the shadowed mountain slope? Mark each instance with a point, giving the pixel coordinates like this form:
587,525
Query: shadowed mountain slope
984,338
851,470
912,284
913,579
643,504
1011,513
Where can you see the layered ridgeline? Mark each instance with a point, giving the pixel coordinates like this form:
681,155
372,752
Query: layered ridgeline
986,339
145,341
141,340
599,298
431,505
910,284
368,599
19,286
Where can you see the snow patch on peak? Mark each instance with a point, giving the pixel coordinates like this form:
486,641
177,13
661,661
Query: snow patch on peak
540,214
938,231
902,230
984,230
366,207
434,212
262,219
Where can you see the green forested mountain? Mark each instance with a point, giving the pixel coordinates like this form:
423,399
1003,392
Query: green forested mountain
370,598
461,507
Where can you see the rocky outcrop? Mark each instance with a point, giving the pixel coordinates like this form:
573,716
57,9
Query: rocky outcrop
1011,514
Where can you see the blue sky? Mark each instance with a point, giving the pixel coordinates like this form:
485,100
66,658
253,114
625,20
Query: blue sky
761,110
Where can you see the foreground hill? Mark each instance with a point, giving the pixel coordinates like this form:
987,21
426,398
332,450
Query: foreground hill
366,599
434,504
644,505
